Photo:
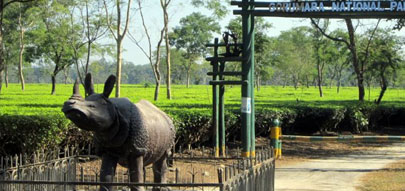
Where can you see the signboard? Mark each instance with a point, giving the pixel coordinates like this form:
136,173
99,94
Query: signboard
325,9
336,6
246,105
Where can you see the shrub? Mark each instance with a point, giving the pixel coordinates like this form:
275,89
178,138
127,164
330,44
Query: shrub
192,128
20,133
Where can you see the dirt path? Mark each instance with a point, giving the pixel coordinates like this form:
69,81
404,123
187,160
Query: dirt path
337,172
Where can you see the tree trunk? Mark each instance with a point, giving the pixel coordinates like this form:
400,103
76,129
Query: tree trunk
258,82
66,75
20,63
157,89
53,84
1,80
332,79
284,82
6,75
338,87
356,66
1,43
338,82
158,78
307,81
169,73
119,38
20,70
168,53
119,66
384,85
53,78
368,85
188,79
295,81
319,68
188,74
383,89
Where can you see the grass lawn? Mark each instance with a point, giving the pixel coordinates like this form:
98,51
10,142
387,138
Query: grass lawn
36,99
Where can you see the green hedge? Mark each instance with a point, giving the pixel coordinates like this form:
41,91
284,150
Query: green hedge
19,133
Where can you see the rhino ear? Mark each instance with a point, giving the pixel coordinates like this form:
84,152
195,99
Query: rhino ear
108,86
88,85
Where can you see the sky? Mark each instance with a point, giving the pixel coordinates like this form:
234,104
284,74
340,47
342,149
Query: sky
182,8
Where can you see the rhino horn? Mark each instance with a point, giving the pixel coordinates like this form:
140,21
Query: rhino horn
88,85
76,89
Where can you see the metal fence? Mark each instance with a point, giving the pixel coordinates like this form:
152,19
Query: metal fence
252,175
67,170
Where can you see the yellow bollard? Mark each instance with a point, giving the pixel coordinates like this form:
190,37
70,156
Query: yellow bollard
275,138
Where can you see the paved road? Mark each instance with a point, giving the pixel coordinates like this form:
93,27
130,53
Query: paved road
335,173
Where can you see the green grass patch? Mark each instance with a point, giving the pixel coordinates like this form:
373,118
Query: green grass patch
36,99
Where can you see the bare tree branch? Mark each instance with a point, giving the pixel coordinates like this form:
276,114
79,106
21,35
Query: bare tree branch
14,1
367,50
127,19
327,35
108,21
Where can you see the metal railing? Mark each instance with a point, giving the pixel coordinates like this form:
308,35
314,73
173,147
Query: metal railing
67,172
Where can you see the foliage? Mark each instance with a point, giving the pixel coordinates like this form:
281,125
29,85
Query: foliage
22,133
294,56
194,32
264,46
216,6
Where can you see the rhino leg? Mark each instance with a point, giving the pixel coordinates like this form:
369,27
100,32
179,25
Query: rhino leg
136,171
159,172
107,171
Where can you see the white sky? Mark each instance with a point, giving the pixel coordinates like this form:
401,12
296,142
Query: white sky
182,8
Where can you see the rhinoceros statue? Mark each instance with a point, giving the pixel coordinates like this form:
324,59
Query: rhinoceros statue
133,135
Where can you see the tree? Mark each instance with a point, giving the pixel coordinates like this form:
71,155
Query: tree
385,58
194,32
91,26
51,38
11,35
165,4
155,64
27,13
294,56
177,68
118,36
3,5
319,45
263,43
218,7
350,42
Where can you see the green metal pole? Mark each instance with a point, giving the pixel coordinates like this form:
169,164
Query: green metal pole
252,82
222,111
215,101
246,109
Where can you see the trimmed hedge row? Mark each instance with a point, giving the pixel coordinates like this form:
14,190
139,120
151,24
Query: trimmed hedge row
25,134
19,133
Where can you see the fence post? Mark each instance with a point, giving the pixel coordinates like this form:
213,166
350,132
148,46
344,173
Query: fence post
177,175
275,138
220,178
